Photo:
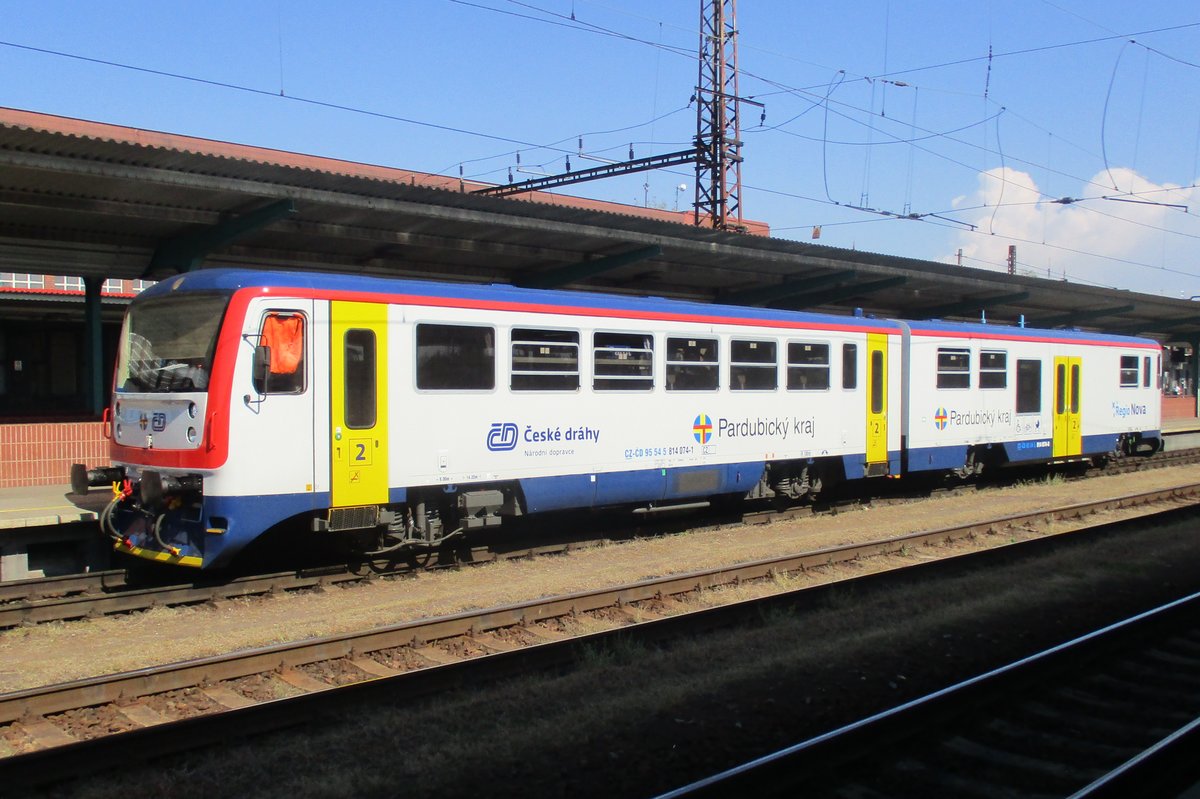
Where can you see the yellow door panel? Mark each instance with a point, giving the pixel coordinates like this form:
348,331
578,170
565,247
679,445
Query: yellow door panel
877,450
1074,416
1060,408
358,403
1068,429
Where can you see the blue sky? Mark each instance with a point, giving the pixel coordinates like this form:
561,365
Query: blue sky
888,106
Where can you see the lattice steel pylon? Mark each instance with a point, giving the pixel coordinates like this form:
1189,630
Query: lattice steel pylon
718,132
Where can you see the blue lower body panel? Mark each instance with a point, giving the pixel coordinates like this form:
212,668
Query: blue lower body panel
1029,451
1099,445
639,485
249,517
938,459
241,520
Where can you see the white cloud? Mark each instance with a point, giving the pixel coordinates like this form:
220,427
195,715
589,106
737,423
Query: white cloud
1145,246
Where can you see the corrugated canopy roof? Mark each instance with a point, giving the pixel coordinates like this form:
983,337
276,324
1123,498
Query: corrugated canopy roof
94,200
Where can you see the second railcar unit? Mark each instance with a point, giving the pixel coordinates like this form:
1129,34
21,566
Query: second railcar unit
978,396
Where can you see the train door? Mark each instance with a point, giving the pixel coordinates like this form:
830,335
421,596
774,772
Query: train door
275,422
877,385
358,403
1068,433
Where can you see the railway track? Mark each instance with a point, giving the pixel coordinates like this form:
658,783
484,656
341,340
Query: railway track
1114,713
41,600
1157,461
163,709
78,596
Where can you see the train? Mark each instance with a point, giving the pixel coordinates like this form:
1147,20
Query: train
393,415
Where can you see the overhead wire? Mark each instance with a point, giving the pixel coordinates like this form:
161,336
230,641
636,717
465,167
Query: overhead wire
1104,116
570,24
969,167
1041,49
886,74
555,144
525,145
264,93
600,30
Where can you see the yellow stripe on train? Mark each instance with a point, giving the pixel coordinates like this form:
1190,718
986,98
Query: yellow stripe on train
161,557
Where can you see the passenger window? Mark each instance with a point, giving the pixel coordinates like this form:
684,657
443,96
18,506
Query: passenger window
877,381
282,332
1074,388
692,364
1129,371
993,369
544,360
1060,389
953,368
849,366
360,387
622,361
808,366
455,357
752,366
1029,386
1146,372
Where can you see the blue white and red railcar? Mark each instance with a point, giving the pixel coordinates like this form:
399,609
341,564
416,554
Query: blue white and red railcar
981,395
400,413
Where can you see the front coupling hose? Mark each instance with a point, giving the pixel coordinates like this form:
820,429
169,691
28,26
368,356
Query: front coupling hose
158,523
121,492
106,521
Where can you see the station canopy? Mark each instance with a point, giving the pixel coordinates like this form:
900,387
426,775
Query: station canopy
93,200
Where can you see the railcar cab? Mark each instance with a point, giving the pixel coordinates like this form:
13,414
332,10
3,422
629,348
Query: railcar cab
161,421
211,420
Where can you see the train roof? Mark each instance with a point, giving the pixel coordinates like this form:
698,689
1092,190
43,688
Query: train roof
979,330
512,298
508,298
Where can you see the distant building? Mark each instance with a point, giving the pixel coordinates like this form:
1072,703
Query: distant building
43,352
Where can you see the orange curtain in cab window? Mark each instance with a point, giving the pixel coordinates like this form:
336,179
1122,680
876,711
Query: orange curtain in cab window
285,336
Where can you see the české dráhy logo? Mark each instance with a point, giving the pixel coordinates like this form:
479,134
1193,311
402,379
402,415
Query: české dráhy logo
502,437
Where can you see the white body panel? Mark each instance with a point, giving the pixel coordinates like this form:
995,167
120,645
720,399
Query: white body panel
272,446
976,415
441,437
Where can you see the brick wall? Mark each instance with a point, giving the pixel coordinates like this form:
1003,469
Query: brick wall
42,453
1179,408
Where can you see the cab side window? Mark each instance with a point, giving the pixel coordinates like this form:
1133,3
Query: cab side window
282,333
1129,371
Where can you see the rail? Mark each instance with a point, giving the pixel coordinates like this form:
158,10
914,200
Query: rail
373,654
42,600
960,723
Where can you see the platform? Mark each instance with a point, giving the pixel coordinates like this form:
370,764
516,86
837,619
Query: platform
1180,434
46,530
38,506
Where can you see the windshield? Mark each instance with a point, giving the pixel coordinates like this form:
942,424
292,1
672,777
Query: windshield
167,344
